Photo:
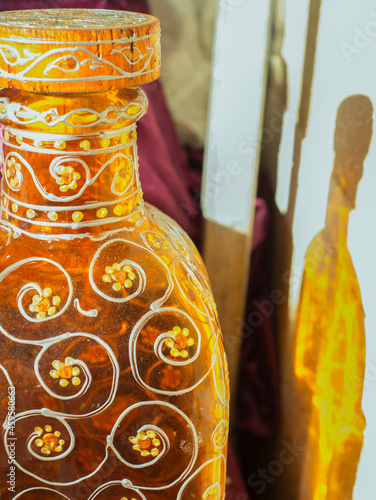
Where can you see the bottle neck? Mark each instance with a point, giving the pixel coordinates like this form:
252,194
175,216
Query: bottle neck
70,163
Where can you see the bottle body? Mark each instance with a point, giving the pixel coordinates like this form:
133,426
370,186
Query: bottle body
113,374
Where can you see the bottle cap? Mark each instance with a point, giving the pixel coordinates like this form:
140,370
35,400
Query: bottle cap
78,50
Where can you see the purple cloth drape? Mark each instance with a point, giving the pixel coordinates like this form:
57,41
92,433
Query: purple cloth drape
257,415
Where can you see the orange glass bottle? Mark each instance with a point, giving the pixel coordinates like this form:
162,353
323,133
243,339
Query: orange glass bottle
113,378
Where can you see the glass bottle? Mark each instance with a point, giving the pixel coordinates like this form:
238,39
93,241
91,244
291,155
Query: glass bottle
113,377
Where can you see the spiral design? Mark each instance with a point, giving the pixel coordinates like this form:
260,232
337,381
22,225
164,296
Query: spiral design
163,346
66,367
138,443
126,279
44,437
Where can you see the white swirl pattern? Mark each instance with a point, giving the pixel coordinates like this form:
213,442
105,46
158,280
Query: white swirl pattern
81,57
141,274
47,460
168,409
36,287
24,115
16,57
159,344
86,371
124,484
57,162
29,490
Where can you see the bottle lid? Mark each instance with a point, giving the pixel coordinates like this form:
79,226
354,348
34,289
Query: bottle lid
78,50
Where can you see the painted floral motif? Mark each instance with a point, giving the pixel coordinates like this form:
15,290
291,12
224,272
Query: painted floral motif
122,276
67,178
146,443
178,341
124,174
220,436
45,304
48,441
157,241
14,173
65,372
212,493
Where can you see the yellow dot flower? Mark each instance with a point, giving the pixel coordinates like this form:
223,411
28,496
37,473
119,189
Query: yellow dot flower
65,372
212,493
13,173
157,241
220,437
67,178
178,341
119,276
48,441
124,174
6,135
45,304
146,443
19,139
14,208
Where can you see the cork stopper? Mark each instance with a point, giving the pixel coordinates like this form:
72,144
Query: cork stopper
78,50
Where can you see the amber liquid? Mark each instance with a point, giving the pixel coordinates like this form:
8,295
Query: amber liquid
113,378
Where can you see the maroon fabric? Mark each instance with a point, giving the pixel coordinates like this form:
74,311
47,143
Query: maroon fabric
135,5
235,487
165,175
257,415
